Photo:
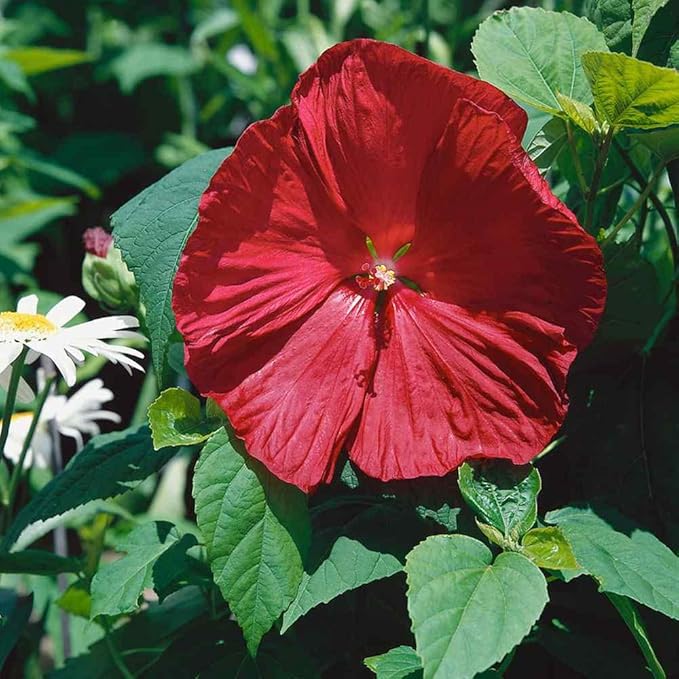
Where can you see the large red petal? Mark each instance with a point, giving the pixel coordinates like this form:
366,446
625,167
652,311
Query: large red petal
370,114
451,385
268,248
295,410
491,235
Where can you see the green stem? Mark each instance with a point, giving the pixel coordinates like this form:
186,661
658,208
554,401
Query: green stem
635,208
630,615
115,653
10,401
591,194
657,203
576,159
19,466
147,395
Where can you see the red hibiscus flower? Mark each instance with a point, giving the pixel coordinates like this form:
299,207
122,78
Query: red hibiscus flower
380,268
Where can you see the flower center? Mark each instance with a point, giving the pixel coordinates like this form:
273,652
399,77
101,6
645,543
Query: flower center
18,327
379,277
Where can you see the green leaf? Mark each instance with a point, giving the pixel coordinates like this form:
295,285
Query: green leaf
153,628
151,230
38,562
76,599
140,62
152,551
663,142
540,55
637,296
644,11
215,650
26,216
401,662
581,114
14,614
13,77
548,548
349,565
614,19
175,419
548,143
256,530
36,60
632,93
628,612
60,174
502,494
110,464
467,611
633,563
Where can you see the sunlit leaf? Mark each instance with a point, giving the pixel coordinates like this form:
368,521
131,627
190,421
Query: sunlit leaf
541,53
467,610
632,93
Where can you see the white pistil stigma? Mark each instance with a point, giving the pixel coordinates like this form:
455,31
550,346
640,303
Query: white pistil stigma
379,277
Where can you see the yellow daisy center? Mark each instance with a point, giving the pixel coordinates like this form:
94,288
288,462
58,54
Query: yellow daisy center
18,327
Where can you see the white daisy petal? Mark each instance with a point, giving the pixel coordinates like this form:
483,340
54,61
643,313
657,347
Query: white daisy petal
28,305
73,433
9,352
56,353
32,357
75,353
65,310
24,392
42,447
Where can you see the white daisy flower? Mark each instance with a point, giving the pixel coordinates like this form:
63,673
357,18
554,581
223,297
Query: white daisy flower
64,346
74,417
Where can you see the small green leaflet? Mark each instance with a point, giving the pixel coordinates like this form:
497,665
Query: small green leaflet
632,93
175,419
502,494
401,662
155,553
548,548
633,563
256,530
36,60
540,55
467,610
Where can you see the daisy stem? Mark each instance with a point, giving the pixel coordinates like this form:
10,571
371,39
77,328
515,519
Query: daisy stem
19,466
10,401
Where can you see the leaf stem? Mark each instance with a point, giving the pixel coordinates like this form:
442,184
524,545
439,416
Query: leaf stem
653,196
630,615
10,401
19,466
634,209
115,653
576,159
591,194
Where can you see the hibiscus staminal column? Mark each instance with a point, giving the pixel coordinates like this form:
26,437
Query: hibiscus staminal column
452,339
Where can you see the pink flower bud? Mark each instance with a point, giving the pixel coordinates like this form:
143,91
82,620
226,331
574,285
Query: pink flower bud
97,241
